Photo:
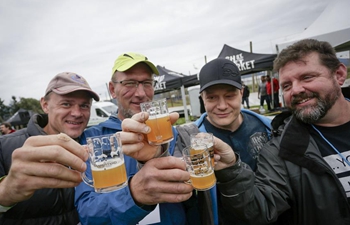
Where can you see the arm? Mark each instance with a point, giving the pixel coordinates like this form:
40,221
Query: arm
116,207
42,162
256,198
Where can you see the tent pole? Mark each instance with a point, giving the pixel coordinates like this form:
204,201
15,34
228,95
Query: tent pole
184,103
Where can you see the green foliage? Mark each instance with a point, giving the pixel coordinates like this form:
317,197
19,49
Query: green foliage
6,111
30,104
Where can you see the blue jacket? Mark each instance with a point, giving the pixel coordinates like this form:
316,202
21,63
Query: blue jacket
213,195
118,207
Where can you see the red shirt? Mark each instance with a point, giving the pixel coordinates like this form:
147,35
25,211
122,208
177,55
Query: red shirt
276,86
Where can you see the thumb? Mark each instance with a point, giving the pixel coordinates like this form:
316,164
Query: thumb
174,116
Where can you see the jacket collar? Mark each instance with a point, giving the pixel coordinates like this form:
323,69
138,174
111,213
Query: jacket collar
295,141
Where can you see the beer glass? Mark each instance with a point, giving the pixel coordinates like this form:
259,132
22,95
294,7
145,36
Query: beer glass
107,163
207,139
198,164
158,121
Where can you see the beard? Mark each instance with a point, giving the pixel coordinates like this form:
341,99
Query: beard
313,113
127,113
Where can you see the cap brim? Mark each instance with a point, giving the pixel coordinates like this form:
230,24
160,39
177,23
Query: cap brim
131,63
229,82
69,89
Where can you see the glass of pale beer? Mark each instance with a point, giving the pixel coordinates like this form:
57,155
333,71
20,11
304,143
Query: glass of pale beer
158,121
198,164
106,163
207,139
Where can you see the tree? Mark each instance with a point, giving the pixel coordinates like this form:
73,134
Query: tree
24,103
4,111
30,104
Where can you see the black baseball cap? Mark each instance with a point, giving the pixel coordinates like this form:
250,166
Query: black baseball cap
219,71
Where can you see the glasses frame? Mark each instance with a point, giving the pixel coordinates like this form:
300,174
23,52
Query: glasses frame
135,83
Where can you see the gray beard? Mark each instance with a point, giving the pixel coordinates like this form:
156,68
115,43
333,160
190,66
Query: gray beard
127,113
312,114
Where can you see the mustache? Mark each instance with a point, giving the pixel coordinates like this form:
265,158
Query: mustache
299,97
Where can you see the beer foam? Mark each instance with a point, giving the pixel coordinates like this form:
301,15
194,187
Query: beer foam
107,165
152,117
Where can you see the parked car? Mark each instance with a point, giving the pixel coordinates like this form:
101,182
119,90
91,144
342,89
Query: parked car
100,111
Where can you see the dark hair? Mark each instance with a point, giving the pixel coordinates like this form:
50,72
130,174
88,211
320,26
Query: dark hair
300,49
8,125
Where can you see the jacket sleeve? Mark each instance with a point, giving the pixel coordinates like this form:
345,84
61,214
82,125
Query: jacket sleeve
260,198
117,207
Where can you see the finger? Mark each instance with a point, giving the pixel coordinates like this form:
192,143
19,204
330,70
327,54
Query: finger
51,153
169,162
47,170
58,139
134,125
174,116
140,117
178,193
171,169
130,137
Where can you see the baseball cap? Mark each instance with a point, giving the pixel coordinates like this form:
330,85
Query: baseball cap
219,71
128,60
67,82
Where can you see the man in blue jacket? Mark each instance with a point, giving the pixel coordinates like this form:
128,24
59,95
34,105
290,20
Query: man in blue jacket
159,180
245,131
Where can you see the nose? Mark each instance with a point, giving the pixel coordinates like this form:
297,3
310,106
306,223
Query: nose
297,88
221,104
140,91
76,111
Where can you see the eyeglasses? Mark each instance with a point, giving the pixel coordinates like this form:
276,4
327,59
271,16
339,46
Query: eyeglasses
135,83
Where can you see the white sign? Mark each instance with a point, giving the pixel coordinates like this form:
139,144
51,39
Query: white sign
241,64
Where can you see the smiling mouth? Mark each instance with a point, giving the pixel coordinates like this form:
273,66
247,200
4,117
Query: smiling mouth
303,101
74,123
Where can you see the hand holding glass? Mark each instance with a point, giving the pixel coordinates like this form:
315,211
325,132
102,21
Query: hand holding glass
198,164
158,121
107,163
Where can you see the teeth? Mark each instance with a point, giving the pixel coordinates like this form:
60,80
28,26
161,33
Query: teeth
305,100
73,122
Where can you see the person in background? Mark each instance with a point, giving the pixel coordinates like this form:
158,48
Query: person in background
245,95
160,180
6,128
245,131
262,94
304,171
274,97
40,165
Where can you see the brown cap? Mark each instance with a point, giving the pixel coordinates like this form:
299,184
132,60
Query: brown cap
66,82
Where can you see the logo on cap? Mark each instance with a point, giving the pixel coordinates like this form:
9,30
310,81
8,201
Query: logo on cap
78,78
229,70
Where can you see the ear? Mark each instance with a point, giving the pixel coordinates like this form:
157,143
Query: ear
112,89
44,105
341,74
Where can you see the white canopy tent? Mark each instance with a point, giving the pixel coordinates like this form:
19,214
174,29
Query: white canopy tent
333,26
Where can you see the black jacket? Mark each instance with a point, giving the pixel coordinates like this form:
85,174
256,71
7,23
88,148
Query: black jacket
46,206
292,181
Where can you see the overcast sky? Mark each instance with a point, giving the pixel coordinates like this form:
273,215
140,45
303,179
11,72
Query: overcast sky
39,39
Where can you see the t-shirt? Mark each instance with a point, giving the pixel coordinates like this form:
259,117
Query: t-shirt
339,138
262,89
247,140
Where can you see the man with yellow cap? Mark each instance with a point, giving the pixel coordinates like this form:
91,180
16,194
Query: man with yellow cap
161,179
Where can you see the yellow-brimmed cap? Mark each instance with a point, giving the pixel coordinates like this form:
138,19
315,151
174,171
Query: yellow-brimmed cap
128,60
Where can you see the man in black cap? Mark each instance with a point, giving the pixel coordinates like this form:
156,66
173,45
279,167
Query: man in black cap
245,131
